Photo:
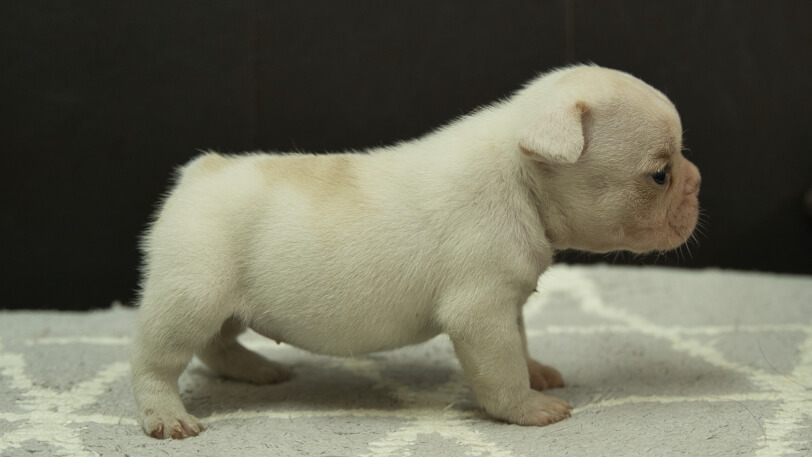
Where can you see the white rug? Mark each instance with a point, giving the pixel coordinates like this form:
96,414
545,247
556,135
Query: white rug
658,362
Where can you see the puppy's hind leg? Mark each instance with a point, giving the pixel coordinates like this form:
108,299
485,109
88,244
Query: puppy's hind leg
227,357
167,335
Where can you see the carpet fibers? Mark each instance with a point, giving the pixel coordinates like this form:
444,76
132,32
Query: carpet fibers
657,362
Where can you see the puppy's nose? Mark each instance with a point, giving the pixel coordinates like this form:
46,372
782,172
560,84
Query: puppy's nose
693,179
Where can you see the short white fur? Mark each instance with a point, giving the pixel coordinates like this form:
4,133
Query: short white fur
353,253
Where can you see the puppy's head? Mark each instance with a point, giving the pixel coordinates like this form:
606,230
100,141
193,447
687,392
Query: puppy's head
608,148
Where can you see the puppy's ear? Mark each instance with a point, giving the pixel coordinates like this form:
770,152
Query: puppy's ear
557,135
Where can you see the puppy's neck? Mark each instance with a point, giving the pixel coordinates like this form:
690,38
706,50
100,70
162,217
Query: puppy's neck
538,179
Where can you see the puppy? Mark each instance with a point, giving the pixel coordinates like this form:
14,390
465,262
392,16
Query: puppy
353,253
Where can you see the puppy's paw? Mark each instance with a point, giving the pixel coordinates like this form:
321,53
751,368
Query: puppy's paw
537,409
165,425
264,372
543,377
240,364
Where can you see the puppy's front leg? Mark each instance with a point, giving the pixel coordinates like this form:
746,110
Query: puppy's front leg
489,344
542,377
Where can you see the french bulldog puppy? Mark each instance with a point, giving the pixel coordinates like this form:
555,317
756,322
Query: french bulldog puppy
347,254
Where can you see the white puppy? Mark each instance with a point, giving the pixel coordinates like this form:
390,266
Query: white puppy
347,254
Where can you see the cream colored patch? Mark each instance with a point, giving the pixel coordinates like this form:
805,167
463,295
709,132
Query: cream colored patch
321,175
208,163
332,199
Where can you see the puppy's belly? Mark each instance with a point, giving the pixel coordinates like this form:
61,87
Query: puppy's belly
352,333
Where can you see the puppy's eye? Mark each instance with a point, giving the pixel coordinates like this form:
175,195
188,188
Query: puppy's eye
661,176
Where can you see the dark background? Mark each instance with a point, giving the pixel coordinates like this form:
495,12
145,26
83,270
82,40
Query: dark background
101,100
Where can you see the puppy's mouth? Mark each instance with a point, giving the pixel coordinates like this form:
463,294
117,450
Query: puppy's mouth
678,236
680,226
674,230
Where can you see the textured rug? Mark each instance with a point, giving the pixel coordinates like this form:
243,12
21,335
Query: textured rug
657,362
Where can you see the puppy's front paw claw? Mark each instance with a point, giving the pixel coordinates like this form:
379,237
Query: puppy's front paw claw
167,426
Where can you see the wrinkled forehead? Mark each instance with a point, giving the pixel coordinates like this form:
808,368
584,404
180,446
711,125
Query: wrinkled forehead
628,112
661,117
651,104
622,92
655,131
643,123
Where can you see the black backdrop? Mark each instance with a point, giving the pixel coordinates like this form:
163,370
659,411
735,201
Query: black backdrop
101,100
